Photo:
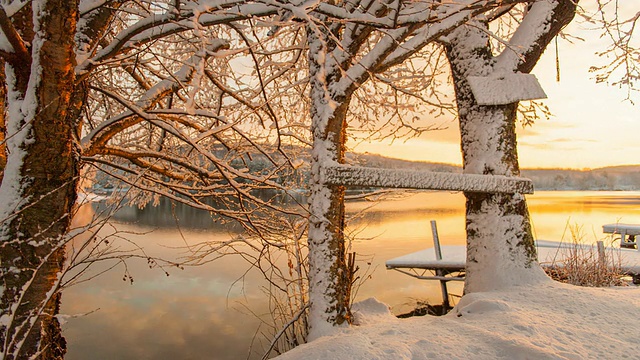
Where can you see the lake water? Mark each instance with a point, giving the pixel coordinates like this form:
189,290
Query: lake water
211,311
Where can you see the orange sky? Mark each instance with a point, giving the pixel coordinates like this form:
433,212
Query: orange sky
592,126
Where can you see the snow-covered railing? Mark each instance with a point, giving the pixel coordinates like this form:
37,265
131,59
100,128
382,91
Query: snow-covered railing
425,180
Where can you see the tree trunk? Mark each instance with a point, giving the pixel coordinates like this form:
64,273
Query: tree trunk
500,244
3,129
329,278
38,189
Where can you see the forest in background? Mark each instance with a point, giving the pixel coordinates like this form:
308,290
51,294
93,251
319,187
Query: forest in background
612,178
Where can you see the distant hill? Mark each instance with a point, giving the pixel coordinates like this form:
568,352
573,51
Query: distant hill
378,161
615,178
607,178
620,169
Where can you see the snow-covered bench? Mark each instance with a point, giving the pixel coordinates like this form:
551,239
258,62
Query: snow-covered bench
628,233
348,175
422,264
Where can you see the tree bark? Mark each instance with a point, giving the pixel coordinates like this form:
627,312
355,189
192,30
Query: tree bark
329,278
39,183
3,128
500,246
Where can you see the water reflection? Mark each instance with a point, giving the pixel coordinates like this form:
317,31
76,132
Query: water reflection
161,326
553,211
201,312
169,214
190,314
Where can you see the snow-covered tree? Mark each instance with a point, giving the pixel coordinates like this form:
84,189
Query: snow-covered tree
348,46
342,56
500,244
39,180
142,90
177,97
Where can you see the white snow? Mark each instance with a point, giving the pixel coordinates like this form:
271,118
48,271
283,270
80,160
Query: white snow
454,257
12,7
21,110
495,259
5,45
548,320
501,88
324,152
86,6
18,133
531,29
412,179
627,229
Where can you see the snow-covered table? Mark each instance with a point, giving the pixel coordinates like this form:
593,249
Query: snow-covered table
628,233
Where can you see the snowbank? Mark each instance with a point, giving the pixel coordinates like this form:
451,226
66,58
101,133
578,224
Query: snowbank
546,321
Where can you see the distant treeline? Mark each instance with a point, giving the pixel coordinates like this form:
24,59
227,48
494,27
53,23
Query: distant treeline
609,178
599,179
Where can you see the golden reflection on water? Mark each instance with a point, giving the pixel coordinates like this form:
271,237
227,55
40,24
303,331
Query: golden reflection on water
552,212
196,313
392,231
200,312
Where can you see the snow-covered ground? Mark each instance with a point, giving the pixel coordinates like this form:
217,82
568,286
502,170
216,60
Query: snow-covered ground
549,320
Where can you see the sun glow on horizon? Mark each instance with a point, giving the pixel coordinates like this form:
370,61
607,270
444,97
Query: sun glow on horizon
592,125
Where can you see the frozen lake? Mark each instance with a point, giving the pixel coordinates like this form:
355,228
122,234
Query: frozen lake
210,311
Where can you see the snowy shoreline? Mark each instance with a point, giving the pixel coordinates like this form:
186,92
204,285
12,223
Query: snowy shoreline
549,320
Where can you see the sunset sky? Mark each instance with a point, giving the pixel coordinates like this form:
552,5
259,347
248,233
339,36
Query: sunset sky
592,125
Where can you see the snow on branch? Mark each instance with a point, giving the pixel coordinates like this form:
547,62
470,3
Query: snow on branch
542,22
445,18
158,26
357,16
12,47
103,133
424,180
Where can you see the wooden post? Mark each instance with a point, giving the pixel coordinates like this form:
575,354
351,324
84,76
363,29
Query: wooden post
439,272
601,254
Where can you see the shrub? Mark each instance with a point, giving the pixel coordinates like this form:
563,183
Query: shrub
585,265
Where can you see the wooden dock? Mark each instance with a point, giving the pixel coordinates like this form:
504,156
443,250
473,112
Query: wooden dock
447,263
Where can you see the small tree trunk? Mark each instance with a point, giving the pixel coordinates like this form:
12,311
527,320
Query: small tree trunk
329,283
3,128
39,184
500,244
